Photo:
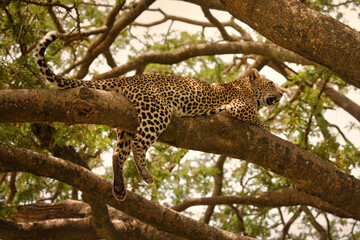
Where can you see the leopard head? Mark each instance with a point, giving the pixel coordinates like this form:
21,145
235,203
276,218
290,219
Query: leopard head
267,94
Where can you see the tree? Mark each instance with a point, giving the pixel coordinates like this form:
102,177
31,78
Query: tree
245,183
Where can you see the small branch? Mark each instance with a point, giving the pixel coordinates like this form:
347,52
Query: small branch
104,41
3,177
328,230
49,4
259,63
340,99
12,187
289,223
217,24
109,58
218,177
246,36
240,219
55,19
342,134
315,224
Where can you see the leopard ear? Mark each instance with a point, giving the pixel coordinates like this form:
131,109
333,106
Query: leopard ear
254,75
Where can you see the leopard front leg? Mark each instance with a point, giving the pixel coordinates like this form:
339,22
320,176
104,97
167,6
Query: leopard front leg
153,120
119,157
246,113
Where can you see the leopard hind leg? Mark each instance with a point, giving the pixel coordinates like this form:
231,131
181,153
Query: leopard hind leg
119,157
153,120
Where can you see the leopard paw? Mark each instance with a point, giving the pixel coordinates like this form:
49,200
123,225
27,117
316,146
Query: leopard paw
147,178
119,191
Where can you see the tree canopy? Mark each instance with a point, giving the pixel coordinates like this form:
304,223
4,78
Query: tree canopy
215,177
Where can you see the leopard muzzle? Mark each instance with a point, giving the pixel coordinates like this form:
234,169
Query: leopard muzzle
273,99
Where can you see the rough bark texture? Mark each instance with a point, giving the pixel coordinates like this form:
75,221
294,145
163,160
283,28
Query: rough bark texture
219,134
294,26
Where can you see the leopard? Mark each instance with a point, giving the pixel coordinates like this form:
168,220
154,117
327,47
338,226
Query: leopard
159,98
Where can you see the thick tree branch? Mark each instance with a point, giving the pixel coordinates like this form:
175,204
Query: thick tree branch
265,49
218,134
46,211
156,215
63,210
308,33
54,229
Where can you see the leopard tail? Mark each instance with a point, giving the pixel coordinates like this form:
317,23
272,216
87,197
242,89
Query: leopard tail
59,81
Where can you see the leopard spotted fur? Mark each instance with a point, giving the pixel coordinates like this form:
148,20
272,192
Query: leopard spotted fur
157,98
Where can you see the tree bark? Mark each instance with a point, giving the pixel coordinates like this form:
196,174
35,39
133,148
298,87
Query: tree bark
294,26
219,134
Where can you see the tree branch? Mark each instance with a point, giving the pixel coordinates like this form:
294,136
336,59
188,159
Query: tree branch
309,33
63,210
218,178
219,134
217,24
316,225
231,23
289,223
104,42
212,4
65,229
278,198
340,99
265,49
